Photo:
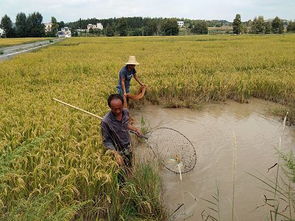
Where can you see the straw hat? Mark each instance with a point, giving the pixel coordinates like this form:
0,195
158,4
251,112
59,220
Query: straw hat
132,60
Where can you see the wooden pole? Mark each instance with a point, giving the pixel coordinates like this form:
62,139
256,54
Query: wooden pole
94,115
77,108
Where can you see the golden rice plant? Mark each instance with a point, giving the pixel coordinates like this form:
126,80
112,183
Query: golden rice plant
179,71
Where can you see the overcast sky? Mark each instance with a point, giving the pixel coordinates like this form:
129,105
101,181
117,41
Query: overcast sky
72,10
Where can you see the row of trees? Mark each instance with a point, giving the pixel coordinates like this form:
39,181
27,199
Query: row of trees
25,26
138,26
163,26
32,26
28,26
198,27
291,26
134,26
260,26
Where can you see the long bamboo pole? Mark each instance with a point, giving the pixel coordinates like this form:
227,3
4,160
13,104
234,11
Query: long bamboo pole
78,108
94,115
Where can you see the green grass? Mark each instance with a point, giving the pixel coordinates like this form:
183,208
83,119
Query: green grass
141,196
279,196
281,112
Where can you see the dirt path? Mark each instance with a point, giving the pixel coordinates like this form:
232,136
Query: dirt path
9,52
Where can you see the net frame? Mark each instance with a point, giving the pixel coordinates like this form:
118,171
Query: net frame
175,169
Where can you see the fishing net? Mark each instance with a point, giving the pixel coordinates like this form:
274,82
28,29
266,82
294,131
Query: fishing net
139,94
175,151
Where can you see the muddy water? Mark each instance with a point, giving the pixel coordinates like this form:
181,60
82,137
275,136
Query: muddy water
213,130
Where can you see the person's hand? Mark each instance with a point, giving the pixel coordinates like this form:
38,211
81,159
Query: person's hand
119,159
125,94
138,132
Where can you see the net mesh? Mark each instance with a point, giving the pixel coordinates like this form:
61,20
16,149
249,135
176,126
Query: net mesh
173,148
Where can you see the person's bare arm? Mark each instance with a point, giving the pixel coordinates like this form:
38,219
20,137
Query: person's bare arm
134,129
136,78
123,86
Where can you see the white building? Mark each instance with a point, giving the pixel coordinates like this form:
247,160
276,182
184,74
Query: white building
2,32
64,33
98,26
180,24
48,27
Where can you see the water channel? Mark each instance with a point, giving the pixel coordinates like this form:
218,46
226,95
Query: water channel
213,130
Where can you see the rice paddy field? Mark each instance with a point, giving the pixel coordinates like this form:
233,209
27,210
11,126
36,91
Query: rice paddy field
6,42
52,163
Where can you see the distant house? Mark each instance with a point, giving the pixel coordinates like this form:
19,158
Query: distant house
180,24
48,27
2,32
64,33
98,26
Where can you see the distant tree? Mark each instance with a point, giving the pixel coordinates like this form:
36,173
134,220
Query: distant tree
74,33
21,25
122,27
291,26
244,28
109,31
136,32
80,23
237,25
277,26
257,26
54,28
6,25
91,31
97,32
169,27
134,23
35,26
61,24
150,27
189,24
200,27
267,26
143,26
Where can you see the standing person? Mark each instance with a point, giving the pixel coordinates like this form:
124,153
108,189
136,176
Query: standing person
115,128
125,76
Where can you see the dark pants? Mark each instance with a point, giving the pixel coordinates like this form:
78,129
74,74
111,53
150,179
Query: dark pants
127,169
127,157
120,91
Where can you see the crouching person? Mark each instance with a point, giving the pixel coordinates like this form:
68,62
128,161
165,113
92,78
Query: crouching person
115,129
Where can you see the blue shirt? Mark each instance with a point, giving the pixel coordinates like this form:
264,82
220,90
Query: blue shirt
127,75
115,133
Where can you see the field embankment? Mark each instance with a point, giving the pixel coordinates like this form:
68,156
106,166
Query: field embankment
7,42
